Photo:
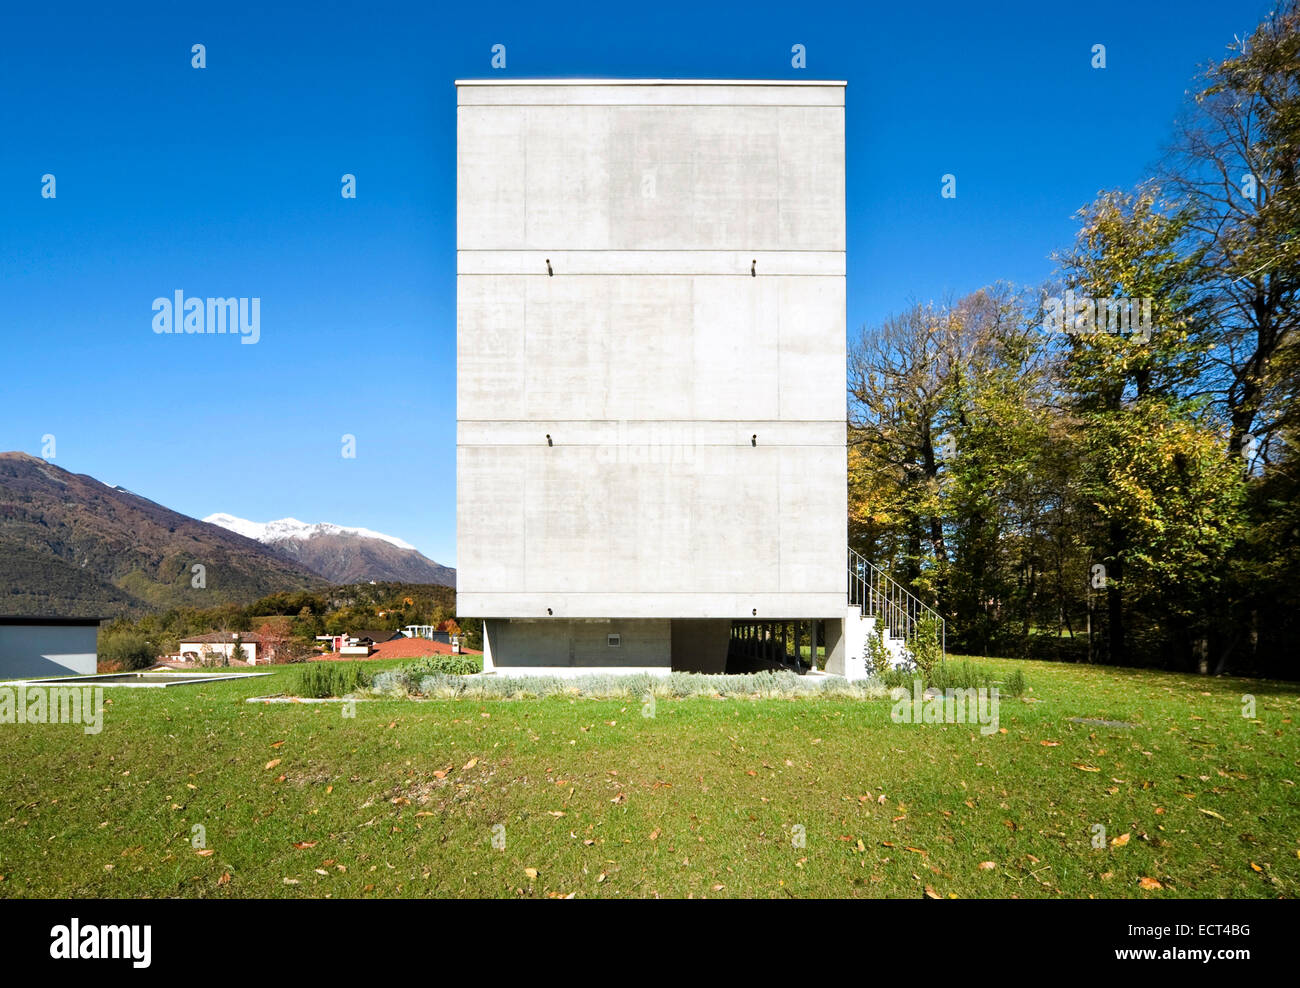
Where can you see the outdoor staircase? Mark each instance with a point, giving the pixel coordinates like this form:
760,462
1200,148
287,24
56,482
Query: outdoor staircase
878,601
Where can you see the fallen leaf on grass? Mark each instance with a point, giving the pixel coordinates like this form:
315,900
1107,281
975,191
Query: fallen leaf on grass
1149,883
987,866
206,853
304,845
1085,768
224,879
272,764
1211,813
1121,840
531,873
470,764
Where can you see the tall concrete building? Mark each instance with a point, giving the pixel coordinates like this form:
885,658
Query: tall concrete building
651,366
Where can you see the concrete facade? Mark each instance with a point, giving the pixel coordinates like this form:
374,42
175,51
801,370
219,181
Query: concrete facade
32,648
651,363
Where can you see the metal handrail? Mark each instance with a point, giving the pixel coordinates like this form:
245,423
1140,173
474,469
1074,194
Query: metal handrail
879,595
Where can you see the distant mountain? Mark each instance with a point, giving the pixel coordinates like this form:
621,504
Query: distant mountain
342,554
72,545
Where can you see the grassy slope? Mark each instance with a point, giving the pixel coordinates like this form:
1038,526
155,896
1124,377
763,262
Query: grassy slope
702,795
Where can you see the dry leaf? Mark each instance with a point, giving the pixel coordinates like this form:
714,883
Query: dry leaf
1121,840
987,866
1085,768
206,852
470,764
304,845
1149,883
531,873
272,764
224,879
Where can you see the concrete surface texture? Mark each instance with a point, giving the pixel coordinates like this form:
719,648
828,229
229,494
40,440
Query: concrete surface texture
651,360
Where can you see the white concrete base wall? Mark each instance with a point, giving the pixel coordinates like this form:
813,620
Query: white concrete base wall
525,645
848,659
851,661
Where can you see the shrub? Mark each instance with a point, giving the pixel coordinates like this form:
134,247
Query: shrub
892,678
1015,684
879,661
125,651
634,687
451,665
925,648
326,679
960,677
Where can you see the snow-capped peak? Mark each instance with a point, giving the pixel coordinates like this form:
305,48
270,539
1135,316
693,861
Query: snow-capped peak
292,528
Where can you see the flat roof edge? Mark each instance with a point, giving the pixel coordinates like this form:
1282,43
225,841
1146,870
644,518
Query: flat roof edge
651,82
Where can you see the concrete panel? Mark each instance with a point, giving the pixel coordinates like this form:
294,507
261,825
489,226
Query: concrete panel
490,355
490,176
811,193
489,521
813,349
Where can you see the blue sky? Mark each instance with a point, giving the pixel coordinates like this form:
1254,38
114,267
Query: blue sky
226,181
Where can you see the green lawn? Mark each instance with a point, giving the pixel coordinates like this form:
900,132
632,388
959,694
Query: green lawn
703,799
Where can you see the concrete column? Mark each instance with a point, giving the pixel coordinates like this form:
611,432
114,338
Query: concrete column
835,648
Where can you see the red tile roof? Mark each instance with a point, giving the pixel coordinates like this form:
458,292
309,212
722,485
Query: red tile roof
403,648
